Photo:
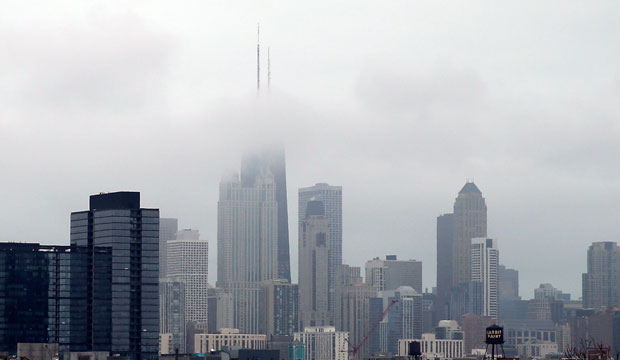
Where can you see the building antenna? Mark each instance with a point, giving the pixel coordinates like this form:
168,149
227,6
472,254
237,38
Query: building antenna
258,58
268,70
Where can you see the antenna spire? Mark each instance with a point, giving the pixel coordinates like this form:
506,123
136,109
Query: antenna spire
258,58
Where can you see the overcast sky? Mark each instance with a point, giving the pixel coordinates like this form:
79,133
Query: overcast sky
399,102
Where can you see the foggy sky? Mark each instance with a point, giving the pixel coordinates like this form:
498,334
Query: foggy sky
399,102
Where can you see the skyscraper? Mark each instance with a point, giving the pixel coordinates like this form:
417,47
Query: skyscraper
188,262
256,164
279,308
172,313
116,220
247,237
168,228
314,256
331,196
47,296
508,283
485,270
323,343
601,284
470,221
391,273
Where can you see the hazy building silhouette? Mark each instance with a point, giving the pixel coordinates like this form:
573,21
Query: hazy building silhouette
168,228
247,237
253,166
314,256
508,283
323,343
331,196
48,294
391,273
279,308
445,240
117,221
601,284
485,270
188,262
470,221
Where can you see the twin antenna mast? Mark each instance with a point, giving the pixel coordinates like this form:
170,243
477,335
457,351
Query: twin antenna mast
258,62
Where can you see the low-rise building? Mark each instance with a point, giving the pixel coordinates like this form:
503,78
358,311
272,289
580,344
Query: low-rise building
204,343
433,348
537,349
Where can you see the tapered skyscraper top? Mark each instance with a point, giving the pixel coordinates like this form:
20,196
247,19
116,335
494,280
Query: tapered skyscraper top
470,221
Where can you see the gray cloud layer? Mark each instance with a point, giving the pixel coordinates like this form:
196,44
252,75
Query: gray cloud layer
398,104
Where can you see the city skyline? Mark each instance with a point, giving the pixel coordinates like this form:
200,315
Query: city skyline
529,114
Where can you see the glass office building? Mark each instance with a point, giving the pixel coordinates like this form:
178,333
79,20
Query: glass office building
45,297
116,221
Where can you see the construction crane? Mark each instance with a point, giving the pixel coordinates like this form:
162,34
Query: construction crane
353,349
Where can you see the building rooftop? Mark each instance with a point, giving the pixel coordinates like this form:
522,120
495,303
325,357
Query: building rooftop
470,187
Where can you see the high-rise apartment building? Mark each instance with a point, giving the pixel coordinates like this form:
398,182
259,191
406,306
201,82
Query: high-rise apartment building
331,196
601,284
49,296
247,237
485,270
391,273
469,221
172,315
445,236
323,343
314,256
279,308
253,167
168,228
188,262
116,220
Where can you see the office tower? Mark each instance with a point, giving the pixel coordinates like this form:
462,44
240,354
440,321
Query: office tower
391,273
314,254
247,236
115,220
279,308
47,296
445,235
172,314
485,270
188,262
508,283
601,284
168,228
254,166
211,310
331,196
323,343
403,320
352,313
469,221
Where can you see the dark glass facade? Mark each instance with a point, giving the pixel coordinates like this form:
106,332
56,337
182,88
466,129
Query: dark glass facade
115,221
44,295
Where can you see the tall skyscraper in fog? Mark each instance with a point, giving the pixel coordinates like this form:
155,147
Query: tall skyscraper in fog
470,221
314,254
253,166
331,196
168,228
188,262
601,284
391,273
485,270
247,239
117,221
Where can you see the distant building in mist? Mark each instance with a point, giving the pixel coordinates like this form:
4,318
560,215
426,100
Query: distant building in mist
485,270
601,283
391,273
323,343
188,262
279,308
247,236
255,166
168,228
117,221
314,256
445,236
508,283
172,314
331,196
